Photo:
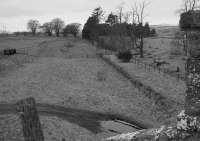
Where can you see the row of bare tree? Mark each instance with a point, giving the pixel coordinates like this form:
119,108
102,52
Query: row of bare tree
56,26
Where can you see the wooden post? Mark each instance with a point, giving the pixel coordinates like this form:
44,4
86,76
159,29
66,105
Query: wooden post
30,120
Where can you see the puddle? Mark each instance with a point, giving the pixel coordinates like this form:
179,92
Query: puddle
117,127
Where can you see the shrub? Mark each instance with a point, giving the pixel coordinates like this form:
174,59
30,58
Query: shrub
10,51
125,56
69,45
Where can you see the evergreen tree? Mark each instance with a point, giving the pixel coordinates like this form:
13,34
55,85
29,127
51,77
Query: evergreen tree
147,29
98,14
89,29
112,19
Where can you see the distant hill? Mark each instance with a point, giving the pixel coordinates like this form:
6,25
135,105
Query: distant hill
166,30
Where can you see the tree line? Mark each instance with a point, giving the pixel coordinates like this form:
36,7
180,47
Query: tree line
56,26
122,24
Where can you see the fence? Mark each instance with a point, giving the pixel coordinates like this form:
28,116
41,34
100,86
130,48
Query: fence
163,71
163,103
150,67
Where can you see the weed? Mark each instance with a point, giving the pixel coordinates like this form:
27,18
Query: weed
101,76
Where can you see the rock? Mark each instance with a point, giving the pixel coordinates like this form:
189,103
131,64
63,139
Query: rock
187,128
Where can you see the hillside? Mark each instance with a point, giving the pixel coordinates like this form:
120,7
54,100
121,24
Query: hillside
165,30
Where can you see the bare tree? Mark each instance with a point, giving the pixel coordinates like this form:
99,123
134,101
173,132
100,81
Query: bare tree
58,25
189,5
127,16
73,28
48,28
120,11
139,12
133,15
33,25
132,29
98,13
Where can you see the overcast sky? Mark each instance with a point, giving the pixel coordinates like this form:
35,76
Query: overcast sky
15,13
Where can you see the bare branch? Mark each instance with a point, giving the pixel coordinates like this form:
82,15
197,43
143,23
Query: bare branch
120,11
189,5
140,11
127,16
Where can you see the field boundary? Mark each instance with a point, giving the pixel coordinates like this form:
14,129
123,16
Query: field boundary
163,71
163,102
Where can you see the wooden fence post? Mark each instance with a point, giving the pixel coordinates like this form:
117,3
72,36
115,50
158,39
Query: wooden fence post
30,120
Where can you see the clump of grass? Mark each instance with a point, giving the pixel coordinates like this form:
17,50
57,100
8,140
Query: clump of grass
69,45
125,56
101,76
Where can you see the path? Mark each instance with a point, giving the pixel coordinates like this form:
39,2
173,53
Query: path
86,119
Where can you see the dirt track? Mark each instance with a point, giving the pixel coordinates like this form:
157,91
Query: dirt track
86,119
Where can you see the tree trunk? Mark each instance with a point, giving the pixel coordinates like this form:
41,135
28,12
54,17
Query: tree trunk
141,47
57,33
49,34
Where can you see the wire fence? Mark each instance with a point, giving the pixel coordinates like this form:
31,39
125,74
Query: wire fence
150,92
151,67
162,71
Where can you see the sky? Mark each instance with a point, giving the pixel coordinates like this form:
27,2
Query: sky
14,14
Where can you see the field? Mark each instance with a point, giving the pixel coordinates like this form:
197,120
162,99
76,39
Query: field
164,47
67,72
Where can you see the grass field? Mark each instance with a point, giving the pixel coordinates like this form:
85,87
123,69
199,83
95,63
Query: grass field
68,73
162,47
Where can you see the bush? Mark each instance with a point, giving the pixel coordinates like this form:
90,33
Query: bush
125,56
10,51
